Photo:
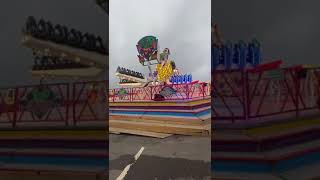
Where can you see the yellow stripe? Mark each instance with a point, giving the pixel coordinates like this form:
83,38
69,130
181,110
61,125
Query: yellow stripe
54,133
152,103
309,66
281,127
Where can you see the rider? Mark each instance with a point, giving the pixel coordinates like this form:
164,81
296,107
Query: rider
165,69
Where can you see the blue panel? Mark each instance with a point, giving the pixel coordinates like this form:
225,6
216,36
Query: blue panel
229,55
238,54
160,113
180,80
250,55
243,54
221,57
224,56
281,166
58,160
215,56
296,162
186,79
257,55
236,57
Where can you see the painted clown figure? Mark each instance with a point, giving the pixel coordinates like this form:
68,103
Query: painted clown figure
165,68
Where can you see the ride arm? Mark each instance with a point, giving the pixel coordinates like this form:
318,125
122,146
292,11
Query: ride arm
217,36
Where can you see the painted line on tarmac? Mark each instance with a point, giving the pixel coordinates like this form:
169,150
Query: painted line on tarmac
126,169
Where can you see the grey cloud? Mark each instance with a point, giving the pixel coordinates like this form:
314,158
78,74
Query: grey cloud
288,30
181,25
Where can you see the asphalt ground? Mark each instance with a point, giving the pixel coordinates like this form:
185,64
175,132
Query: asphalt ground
175,157
50,176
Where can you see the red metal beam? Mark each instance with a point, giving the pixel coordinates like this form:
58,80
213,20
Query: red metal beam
266,66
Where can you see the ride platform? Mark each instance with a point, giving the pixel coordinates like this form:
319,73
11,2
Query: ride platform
161,119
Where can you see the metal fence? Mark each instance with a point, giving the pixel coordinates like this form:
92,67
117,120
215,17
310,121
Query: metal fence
182,92
279,93
53,103
237,95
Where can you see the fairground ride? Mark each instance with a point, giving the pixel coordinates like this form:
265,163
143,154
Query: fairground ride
148,56
60,51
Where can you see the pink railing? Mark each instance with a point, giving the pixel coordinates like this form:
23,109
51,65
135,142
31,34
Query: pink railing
66,104
183,92
89,101
240,95
236,95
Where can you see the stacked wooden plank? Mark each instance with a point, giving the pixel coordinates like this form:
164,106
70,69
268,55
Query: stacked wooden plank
161,119
59,151
274,148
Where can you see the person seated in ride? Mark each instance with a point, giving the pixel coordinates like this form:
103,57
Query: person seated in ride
165,68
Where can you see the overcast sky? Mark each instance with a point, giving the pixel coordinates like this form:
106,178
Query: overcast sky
288,30
181,25
15,59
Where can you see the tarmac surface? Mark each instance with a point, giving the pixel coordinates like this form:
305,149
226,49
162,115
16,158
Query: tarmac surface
50,176
175,157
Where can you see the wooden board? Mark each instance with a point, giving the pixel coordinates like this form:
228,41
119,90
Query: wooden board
160,127
131,85
137,132
284,127
53,134
171,120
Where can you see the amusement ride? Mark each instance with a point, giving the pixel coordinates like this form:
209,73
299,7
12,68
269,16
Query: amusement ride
165,73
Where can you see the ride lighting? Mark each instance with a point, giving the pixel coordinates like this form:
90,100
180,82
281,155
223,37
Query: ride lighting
181,79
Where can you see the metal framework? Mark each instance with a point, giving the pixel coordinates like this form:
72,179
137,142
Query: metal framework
280,93
183,92
74,103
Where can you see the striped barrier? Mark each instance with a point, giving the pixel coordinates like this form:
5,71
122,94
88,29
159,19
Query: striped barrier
78,150
270,148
